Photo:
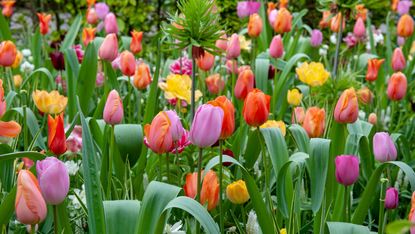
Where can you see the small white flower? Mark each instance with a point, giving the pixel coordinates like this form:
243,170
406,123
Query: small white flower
30,58
27,67
72,167
175,229
333,38
323,50
26,52
252,226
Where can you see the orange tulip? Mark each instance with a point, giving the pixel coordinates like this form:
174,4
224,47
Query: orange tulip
190,186
283,21
7,7
228,123
29,205
210,190
347,107
325,20
405,26
158,136
361,11
365,96
206,61
18,59
283,3
8,53
9,129
127,63
397,86
254,25
298,115
244,84
88,35
2,101
394,5
135,45
44,22
56,135
256,108
90,2
142,76
314,121
215,84
335,22
373,66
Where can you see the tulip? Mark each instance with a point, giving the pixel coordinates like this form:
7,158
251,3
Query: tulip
17,81
113,110
190,186
135,45
246,8
347,107
222,42
237,192
275,124
9,129
316,38
7,7
228,123
176,127
57,59
347,169
74,141
29,204
102,10
254,25
312,73
244,84
233,48
18,59
90,3
398,60
206,126
283,21
232,66
44,22
335,22
314,121
325,20
404,7
361,11
365,96
272,16
359,29
391,198
79,52
256,108
294,97
127,63
142,76
91,16
373,66
110,23
88,35
50,103
109,48
210,190
276,48
8,53
215,84
158,135
56,135
53,180
206,61
298,115
383,147
373,119
405,26
397,85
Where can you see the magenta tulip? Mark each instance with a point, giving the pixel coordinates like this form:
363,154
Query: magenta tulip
247,8
276,48
110,24
113,110
347,169
206,126
383,147
234,47
316,38
109,48
391,198
176,127
398,60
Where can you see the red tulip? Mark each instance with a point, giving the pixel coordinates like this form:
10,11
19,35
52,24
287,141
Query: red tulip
44,22
256,108
8,53
206,61
397,86
127,63
244,84
135,45
56,135
373,66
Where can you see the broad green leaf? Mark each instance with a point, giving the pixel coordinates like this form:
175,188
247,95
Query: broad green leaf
22,154
301,138
36,47
277,148
87,76
261,73
121,216
64,225
5,33
252,149
346,228
7,207
72,71
72,33
129,139
399,227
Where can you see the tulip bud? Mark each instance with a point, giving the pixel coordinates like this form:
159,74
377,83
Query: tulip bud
228,124
405,26
17,80
88,35
190,186
206,61
383,147
127,63
244,84
391,198
398,60
102,10
254,25
237,192
283,21
314,121
91,16
158,135
9,129
233,47
373,66
56,135
215,84
44,22
113,110
294,97
232,66
359,29
110,23
109,48
347,169
325,20
210,191
397,86
222,42
297,117
53,180
347,107
8,53
57,59
335,22
365,96
373,119
7,7
206,126
142,76
135,45
256,108
276,48
316,38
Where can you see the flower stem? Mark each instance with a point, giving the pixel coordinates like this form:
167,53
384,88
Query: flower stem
220,187
346,204
33,229
110,159
168,167
55,219
199,182
160,176
266,175
193,87
139,106
382,206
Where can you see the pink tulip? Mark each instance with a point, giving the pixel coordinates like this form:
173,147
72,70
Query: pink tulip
272,16
391,198
91,16
234,48
404,6
397,86
347,169
109,48
276,48
53,180
74,141
316,38
359,29
398,60
222,43
127,63
232,66
113,110
383,147
110,24
176,127
102,10
207,125
246,8
347,107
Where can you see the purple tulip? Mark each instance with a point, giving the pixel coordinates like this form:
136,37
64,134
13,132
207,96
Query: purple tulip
58,60
401,41
347,169
247,8
234,47
176,127
404,7
316,38
276,48
53,180
102,10
206,126
383,147
110,24
391,198
350,40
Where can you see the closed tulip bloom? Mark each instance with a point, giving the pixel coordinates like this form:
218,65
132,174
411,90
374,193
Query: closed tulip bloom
190,186
91,16
232,66
391,198
365,96
316,38
298,115
228,123
7,7
361,11
88,35
359,29
215,83
158,134
102,10
373,66
254,25
113,110
373,119
256,108
109,48
10,129
206,61
8,53
17,82
383,147
222,42
275,124
294,97
127,63
398,60
347,107
233,48
405,26
18,59
347,169
44,22
210,190
276,48
30,206
136,38
335,23
325,20
110,23
142,76
237,192
283,21
176,127
397,85
244,84
56,135
206,126
57,59
49,103
314,121
53,180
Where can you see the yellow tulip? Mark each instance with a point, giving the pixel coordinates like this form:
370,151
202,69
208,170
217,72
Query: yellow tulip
283,231
49,103
178,86
275,124
17,80
294,97
312,73
237,192
18,59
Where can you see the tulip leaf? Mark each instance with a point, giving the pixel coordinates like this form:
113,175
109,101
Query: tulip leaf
7,207
22,154
37,48
346,228
129,139
87,75
252,150
301,138
6,168
32,76
72,33
72,71
9,99
64,225
121,216
126,41
399,227
277,148
5,33
261,73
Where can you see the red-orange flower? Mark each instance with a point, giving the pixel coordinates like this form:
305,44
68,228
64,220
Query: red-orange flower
361,12
7,7
88,35
214,83
210,188
347,107
8,53
135,45
228,123
325,20
9,129
405,26
158,134
254,25
373,66
206,61
56,134
256,108
244,84
44,22
283,21
142,76
314,121
397,86
335,22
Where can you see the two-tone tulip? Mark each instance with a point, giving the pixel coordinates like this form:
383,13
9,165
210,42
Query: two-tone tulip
365,96
7,7
109,48
373,118
298,115
8,130
56,134
206,61
88,35
405,26
113,110
283,21
142,76
206,127
335,22
228,123
314,121
53,180
244,84
256,108
347,107
136,38
373,66
254,25
397,86
91,16
158,135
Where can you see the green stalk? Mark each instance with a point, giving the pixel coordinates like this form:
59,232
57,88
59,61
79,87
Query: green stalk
160,176
139,106
220,187
266,173
33,229
346,202
253,54
193,88
168,167
55,219
110,159
382,205
130,110
199,182
233,76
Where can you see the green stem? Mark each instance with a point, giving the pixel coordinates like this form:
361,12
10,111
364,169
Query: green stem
55,219
168,167
220,187
199,182
253,54
33,229
160,176
110,159
193,88
139,106
381,206
130,109
266,174
346,217
233,78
